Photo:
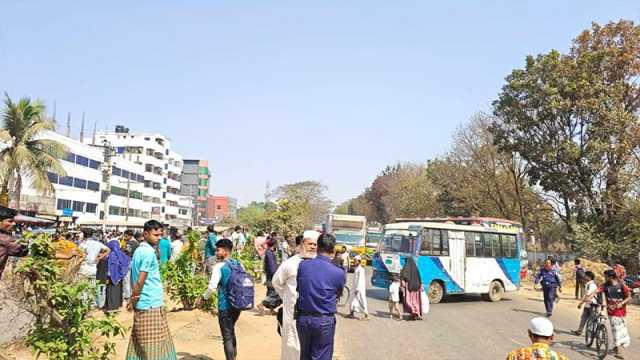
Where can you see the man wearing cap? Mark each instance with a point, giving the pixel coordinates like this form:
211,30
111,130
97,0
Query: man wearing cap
8,244
320,283
227,314
285,283
359,302
541,335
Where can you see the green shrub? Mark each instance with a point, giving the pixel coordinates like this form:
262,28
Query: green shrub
64,328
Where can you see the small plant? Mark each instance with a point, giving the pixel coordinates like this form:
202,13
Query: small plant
249,260
64,327
182,281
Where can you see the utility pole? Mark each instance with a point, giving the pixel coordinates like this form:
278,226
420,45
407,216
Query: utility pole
68,133
82,129
106,179
126,216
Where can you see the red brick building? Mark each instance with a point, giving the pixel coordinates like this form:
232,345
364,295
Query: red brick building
221,207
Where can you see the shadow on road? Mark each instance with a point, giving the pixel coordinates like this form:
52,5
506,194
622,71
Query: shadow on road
379,294
188,356
530,312
578,347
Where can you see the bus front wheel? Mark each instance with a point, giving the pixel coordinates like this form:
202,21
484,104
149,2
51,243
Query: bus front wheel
496,291
436,292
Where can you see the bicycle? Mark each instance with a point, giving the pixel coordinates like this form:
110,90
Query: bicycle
596,330
344,297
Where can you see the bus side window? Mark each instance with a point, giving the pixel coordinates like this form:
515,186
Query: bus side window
473,243
508,245
491,245
444,237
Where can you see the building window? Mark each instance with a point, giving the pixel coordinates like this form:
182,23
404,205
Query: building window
125,174
120,149
114,210
79,183
70,157
94,164
81,160
91,208
53,177
116,171
218,207
147,139
78,206
92,185
66,180
63,204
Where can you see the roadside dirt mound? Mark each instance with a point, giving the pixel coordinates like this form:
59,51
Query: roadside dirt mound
569,275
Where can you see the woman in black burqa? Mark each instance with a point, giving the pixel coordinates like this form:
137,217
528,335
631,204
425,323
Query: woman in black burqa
411,289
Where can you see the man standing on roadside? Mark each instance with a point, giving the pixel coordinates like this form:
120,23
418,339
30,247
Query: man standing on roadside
238,238
541,336
580,279
359,301
150,336
319,285
95,251
285,283
227,314
210,249
164,249
8,245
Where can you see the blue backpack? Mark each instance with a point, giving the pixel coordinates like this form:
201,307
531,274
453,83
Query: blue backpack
240,288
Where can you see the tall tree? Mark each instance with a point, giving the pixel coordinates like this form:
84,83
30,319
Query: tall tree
26,156
574,119
308,198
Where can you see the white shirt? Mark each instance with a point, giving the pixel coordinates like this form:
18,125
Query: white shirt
394,291
176,248
591,289
216,275
285,283
92,248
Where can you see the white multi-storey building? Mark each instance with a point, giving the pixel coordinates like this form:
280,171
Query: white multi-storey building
77,193
160,170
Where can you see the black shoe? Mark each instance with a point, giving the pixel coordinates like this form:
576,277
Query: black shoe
576,332
549,314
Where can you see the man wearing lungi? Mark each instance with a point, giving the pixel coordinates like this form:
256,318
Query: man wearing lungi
150,336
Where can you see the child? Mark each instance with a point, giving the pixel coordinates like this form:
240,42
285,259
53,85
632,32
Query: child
588,301
394,297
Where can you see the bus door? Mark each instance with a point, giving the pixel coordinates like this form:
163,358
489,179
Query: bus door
456,256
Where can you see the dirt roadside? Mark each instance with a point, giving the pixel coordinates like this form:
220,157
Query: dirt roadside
196,335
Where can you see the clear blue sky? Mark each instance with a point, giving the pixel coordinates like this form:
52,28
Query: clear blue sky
284,91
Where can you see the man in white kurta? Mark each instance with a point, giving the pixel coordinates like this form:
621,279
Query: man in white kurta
359,302
285,283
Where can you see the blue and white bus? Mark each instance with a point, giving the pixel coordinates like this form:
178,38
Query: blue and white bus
454,256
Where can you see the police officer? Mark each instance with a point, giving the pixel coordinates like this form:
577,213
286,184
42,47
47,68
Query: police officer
319,285
550,281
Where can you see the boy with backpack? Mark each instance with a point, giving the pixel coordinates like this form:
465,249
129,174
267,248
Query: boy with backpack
235,293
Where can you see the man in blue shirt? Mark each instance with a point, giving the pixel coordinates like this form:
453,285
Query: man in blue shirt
164,247
227,314
150,336
320,283
550,282
210,249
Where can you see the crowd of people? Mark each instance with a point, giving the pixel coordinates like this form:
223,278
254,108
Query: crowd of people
613,294
304,276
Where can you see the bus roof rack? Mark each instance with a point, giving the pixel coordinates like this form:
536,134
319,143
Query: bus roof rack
460,220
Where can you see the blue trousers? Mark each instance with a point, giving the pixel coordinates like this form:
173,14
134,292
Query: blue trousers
549,293
316,335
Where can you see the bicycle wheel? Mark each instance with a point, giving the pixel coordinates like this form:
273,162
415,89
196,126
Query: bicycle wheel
589,331
602,341
346,294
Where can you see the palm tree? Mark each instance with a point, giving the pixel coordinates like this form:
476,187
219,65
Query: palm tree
26,156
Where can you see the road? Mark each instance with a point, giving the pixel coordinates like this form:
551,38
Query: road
462,327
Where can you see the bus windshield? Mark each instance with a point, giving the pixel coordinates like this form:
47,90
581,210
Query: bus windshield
348,237
398,241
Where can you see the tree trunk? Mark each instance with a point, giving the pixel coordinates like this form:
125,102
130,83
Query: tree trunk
18,190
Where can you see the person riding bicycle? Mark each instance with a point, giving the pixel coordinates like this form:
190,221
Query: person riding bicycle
590,303
618,296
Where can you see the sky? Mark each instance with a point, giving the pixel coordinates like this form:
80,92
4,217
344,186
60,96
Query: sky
284,91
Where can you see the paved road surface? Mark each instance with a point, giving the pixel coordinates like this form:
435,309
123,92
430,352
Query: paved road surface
463,327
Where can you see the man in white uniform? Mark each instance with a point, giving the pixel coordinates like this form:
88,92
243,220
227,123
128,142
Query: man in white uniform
359,302
285,284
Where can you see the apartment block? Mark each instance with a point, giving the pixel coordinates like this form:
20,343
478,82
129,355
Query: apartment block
196,185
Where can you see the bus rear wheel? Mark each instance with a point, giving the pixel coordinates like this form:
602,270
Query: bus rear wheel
436,292
496,291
